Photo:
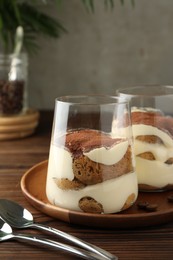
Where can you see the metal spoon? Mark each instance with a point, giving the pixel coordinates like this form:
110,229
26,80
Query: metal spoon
19,217
6,233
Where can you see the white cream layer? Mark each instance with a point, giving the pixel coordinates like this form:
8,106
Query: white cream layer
141,129
60,163
160,152
112,194
154,173
108,156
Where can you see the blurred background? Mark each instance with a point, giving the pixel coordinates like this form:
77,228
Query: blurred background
102,51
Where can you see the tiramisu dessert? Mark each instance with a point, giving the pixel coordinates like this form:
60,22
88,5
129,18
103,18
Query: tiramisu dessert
153,143
91,171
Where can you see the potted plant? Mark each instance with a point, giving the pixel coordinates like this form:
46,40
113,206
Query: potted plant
34,22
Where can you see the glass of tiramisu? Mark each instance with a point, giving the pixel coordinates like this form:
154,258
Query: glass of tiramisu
152,125
91,161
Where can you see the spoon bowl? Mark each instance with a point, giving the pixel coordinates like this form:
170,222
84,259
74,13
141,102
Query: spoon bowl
5,231
15,215
18,217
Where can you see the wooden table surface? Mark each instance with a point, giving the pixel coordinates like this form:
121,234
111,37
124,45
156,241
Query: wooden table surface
16,157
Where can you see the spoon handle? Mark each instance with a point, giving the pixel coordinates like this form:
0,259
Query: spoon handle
47,242
77,241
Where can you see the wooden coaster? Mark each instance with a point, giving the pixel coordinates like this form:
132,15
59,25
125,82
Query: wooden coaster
18,126
17,135
23,118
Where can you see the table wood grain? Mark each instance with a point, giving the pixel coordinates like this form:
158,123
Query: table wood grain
16,157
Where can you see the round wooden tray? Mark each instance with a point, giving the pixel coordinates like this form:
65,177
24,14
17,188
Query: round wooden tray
18,126
33,185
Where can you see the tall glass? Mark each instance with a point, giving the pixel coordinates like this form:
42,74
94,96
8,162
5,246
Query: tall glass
152,120
91,165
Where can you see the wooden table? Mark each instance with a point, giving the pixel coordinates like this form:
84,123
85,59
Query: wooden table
16,157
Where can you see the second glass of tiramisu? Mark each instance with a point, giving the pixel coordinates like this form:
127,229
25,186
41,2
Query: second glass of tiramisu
152,125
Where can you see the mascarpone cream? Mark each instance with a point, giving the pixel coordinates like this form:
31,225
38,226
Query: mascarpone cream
112,194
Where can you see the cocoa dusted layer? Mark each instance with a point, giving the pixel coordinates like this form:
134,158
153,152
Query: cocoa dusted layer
164,123
86,140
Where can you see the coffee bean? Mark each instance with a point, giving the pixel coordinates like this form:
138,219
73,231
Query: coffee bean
170,198
151,207
142,204
147,206
11,96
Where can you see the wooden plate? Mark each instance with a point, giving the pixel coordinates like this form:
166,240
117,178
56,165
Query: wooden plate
33,185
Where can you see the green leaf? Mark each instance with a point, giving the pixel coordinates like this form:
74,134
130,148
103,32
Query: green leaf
89,4
1,23
34,22
133,3
58,3
40,22
108,3
16,11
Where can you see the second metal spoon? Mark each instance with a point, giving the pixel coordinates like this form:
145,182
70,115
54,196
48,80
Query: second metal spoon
6,233
19,217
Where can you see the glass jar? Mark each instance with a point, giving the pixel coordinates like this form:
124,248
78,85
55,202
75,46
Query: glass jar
13,84
91,165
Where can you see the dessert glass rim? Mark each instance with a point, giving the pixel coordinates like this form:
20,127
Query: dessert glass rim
90,99
146,90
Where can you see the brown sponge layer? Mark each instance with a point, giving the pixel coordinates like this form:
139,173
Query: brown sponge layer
89,172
